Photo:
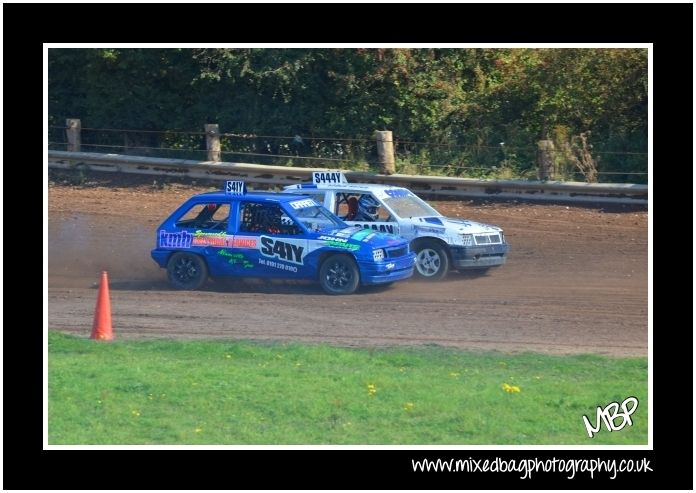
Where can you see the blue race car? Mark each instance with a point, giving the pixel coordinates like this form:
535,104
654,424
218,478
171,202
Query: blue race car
234,233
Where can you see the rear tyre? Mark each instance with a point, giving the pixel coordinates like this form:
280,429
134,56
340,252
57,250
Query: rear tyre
186,271
432,262
339,274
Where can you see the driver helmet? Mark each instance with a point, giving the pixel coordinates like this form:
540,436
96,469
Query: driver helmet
368,207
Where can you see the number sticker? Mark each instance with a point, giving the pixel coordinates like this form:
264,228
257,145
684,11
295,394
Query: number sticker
301,204
235,188
324,177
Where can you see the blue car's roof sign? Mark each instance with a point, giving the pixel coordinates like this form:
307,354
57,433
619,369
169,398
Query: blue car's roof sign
235,187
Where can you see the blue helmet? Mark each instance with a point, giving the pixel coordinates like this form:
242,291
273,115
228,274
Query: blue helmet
368,208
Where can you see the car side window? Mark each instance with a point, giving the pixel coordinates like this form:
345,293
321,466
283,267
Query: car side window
360,207
259,217
346,206
317,196
206,216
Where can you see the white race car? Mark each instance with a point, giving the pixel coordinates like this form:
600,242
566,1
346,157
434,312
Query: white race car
440,243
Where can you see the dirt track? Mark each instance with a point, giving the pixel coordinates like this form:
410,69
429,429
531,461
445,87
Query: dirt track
576,281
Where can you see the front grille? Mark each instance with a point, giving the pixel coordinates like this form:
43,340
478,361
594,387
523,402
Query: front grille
397,252
488,239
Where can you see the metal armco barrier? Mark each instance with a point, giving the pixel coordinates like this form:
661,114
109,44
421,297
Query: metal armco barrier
267,176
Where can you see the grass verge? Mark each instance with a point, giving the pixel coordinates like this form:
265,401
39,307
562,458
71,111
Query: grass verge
210,392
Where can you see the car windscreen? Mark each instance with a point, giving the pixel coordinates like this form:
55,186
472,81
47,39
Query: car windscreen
409,206
317,218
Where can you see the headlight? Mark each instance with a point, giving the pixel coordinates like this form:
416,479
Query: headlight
378,255
468,240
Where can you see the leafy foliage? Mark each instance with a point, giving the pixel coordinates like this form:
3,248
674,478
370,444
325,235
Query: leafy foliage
462,102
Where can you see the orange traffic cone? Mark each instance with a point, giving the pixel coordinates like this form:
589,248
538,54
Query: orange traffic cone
101,328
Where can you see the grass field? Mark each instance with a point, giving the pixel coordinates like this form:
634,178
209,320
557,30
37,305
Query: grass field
194,392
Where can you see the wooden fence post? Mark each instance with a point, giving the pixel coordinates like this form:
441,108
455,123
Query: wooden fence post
73,127
212,141
545,159
385,151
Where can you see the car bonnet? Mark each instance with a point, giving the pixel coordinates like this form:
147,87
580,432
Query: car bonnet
358,234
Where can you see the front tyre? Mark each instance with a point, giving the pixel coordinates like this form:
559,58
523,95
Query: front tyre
186,271
432,262
339,274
